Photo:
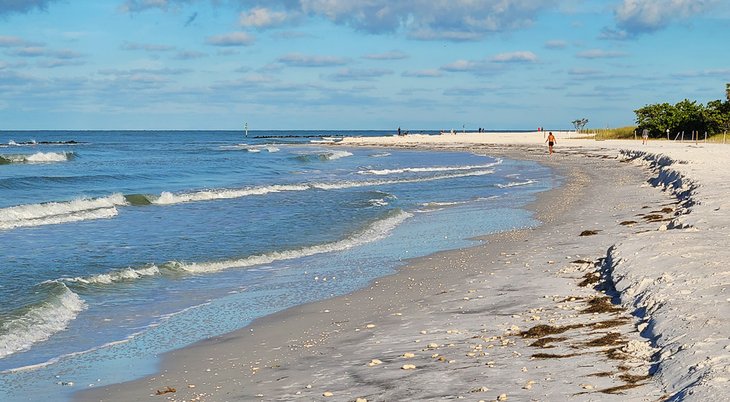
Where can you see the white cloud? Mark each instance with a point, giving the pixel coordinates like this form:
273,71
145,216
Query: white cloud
189,55
259,17
132,6
348,74
30,51
430,19
600,54
720,73
462,65
556,44
301,60
231,39
60,63
453,20
41,51
146,47
392,55
582,72
491,65
22,6
640,16
14,41
437,34
422,74
515,57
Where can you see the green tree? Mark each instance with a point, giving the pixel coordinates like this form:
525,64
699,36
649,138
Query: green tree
686,116
718,116
656,118
691,116
579,124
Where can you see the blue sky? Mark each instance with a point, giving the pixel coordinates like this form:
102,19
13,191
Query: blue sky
354,64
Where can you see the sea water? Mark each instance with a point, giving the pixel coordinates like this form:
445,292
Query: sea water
116,247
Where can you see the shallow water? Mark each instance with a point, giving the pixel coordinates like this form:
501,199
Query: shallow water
123,245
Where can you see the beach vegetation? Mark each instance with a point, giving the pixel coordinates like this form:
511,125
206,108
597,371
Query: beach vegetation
667,120
614,133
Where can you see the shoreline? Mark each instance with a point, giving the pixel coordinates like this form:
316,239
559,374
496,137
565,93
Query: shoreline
331,346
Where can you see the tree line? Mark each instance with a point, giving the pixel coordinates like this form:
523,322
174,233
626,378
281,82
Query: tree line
686,116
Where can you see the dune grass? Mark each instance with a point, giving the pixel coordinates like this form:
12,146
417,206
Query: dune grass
619,133
627,133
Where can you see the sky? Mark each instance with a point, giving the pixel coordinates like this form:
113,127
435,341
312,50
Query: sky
354,64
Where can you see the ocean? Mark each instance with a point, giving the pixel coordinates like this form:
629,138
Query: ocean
117,246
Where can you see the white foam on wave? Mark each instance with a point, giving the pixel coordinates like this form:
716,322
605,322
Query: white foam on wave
382,172
40,157
167,198
126,274
324,155
251,148
517,183
60,212
40,322
378,202
440,204
376,231
380,155
337,155
351,184
127,339
437,204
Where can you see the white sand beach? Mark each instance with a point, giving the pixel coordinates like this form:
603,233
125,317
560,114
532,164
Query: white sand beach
620,295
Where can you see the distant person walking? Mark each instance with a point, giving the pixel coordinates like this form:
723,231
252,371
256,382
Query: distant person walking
399,131
644,136
551,141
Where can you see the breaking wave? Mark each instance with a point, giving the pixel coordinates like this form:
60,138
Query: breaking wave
127,274
382,172
375,231
351,184
39,322
60,212
106,207
516,183
38,157
251,148
322,156
168,198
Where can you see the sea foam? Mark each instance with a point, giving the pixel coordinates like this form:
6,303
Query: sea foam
38,157
60,212
168,198
41,321
382,172
516,184
371,233
109,278
351,184
322,156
